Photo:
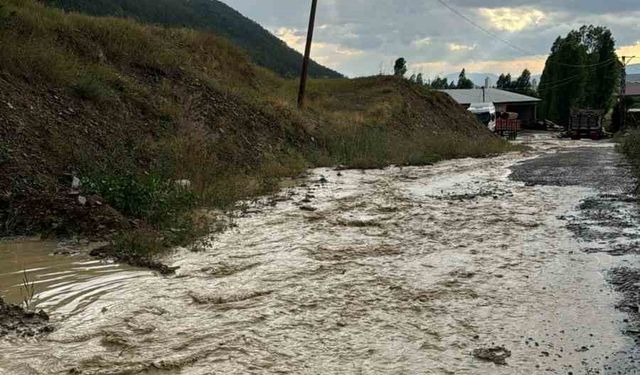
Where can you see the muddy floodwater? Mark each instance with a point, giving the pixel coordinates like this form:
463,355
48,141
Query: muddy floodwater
395,271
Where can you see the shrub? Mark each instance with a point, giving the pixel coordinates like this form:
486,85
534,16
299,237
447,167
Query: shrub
92,88
149,197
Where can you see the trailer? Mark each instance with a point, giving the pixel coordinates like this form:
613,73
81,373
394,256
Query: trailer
508,125
586,123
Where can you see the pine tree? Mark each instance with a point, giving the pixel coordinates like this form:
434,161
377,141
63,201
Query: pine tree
439,84
523,85
582,71
463,81
400,67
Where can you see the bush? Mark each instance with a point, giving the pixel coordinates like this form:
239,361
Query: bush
142,244
149,198
92,88
630,146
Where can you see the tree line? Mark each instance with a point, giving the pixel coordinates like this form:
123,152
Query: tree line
582,71
522,84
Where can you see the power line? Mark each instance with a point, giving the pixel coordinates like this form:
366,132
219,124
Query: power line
570,80
505,41
563,81
589,65
486,31
560,81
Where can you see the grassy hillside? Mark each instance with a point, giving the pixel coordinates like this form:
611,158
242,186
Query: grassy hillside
264,48
128,109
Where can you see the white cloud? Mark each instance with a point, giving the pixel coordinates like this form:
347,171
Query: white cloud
461,47
329,54
630,50
512,19
421,42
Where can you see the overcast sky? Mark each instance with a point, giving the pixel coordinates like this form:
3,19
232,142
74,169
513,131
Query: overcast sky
363,37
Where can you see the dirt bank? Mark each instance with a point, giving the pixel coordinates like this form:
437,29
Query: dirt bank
14,320
118,130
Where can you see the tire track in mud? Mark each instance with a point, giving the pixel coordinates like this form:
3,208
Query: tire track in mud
606,222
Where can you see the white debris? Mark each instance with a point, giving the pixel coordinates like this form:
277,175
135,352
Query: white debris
75,183
82,200
185,184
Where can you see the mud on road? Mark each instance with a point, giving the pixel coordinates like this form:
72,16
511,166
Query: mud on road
455,268
605,222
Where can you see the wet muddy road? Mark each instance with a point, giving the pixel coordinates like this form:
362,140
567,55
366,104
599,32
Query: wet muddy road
397,271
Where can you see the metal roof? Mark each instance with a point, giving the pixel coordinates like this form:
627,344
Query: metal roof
497,96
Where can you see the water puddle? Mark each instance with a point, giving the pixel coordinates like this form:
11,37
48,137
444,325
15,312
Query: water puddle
35,270
402,270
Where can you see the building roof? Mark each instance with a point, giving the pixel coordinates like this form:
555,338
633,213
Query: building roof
633,89
497,96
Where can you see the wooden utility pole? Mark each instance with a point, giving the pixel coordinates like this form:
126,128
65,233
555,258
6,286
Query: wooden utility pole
623,91
307,55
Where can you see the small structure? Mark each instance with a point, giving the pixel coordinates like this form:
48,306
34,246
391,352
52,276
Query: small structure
633,90
504,101
586,123
633,117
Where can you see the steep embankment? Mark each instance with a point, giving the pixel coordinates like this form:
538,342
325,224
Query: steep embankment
99,117
264,48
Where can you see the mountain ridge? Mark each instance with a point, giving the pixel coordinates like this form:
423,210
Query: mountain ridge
264,48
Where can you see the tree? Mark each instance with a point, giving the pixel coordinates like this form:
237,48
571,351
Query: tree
400,67
463,81
413,78
420,79
523,84
582,71
604,74
504,81
439,84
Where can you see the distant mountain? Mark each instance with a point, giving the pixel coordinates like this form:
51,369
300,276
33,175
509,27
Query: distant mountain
633,69
264,48
478,79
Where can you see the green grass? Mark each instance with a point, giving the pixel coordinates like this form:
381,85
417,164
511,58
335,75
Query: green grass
629,145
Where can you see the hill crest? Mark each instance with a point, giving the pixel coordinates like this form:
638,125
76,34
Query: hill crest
264,48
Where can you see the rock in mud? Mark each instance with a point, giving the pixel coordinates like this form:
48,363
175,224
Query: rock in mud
109,252
497,354
14,320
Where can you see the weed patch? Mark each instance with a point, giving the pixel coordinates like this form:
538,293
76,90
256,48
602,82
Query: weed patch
91,88
149,197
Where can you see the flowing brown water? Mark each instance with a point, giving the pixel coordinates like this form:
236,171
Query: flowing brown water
398,271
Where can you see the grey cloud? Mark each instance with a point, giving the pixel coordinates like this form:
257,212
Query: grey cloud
385,29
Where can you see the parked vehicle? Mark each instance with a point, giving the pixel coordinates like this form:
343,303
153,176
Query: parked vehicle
586,123
508,125
485,113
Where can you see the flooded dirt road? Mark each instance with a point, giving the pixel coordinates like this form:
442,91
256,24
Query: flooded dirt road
396,271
